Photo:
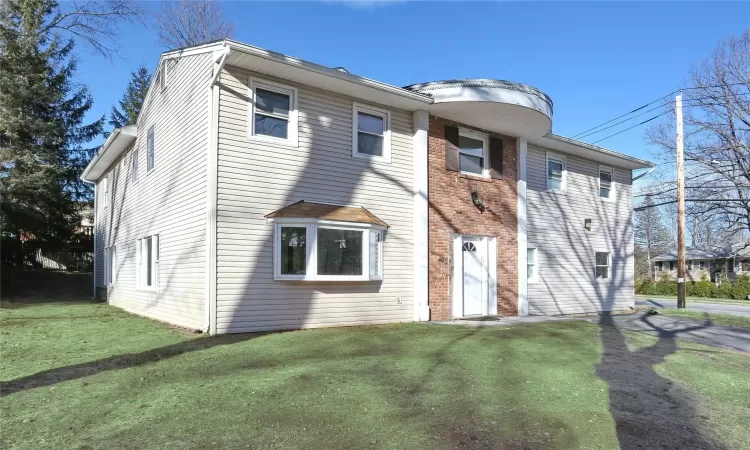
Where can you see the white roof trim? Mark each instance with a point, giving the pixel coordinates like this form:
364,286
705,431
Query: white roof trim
117,141
589,151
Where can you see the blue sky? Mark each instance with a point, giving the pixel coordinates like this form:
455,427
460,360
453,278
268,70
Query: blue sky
596,60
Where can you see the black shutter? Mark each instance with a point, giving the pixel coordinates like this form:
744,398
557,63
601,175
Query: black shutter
451,148
496,158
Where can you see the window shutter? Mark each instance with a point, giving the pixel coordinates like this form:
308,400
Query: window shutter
496,158
451,148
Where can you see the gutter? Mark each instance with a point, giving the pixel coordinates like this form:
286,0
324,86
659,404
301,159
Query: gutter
641,175
598,149
112,136
317,68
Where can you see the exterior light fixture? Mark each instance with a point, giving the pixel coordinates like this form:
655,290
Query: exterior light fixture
477,200
587,224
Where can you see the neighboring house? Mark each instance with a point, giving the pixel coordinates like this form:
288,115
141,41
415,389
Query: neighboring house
704,263
260,192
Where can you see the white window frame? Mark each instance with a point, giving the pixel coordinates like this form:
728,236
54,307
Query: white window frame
386,116
608,266
110,266
311,241
139,266
535,274
105,182
292,138
559,158
611,171
151,130
485,138
134,165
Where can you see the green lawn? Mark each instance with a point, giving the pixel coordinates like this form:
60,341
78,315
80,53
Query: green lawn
718,319
91,376
726,301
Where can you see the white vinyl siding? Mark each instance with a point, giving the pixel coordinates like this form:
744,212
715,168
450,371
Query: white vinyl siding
555,225
170,201
256,177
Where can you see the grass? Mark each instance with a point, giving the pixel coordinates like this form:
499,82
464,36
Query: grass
718,319
725,301
92,376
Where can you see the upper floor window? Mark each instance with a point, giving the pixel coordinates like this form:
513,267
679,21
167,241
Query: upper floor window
105,187
274,112
472,152
606,183
134,164
150,149
555,173
163,75
371,135
603,263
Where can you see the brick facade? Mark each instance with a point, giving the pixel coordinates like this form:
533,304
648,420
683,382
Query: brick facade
452,212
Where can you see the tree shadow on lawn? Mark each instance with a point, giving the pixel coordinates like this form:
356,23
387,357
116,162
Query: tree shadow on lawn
61,374
650,411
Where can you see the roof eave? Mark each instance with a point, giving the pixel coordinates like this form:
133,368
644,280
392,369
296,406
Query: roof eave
122,136
600,154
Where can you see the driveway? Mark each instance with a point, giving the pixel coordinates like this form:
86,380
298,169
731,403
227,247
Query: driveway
701,332
737,310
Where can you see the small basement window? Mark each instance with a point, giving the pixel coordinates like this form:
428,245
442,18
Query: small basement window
371,133
603,262
531,266
274,112
320,242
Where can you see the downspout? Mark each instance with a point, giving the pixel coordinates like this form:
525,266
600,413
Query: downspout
209,319
95,233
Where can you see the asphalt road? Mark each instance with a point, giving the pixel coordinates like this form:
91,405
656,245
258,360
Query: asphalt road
737,310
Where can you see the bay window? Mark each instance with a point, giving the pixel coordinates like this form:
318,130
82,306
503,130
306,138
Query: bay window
312,249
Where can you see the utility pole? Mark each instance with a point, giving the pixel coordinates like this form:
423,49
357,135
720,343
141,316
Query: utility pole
680,208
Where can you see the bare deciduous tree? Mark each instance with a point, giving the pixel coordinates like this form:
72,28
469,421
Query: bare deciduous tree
183,23
652,238
717,140
95,22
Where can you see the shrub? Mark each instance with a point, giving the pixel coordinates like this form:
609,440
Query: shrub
741,287
701,288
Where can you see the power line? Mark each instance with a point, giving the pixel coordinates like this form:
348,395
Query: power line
626,114
622,121
630,128
658,99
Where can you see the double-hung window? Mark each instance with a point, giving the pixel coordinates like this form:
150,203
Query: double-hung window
147,261
371,133
322,250
555,173
150,150
606,183
134,164
531,264
110,263
274,112
472,153
603,263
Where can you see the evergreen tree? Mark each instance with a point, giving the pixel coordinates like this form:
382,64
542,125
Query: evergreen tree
42,130
132,99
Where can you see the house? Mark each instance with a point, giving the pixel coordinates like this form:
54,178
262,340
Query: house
705,263
261,192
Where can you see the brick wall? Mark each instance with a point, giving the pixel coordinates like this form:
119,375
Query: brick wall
452,212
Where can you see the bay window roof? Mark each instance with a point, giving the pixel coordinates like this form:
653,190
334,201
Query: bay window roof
324,211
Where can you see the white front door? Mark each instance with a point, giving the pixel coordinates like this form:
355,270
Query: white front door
473,279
